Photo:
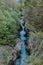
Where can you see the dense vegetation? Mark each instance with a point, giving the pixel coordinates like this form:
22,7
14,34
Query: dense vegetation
34,13
9,22
33,16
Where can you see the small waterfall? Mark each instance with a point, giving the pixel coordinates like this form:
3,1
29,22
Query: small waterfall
21,60
23,38
23,54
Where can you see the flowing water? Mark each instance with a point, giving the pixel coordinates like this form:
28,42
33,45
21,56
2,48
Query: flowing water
21,60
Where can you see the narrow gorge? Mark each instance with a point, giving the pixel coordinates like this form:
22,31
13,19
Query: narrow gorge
22,59
21,32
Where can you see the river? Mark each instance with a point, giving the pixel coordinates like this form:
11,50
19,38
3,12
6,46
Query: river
22,59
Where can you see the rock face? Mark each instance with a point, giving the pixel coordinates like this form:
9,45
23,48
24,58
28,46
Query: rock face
35,45
15,52
17,48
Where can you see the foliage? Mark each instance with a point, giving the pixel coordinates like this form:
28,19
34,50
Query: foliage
5,58
34,60
34,14
9,24
37,34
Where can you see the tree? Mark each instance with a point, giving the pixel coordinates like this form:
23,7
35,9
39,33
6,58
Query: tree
9,24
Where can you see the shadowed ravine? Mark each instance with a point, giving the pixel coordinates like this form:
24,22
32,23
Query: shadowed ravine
21,60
